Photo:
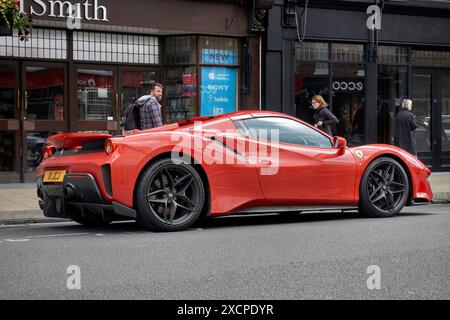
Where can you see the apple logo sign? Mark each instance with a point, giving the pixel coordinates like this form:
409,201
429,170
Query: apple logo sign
212,75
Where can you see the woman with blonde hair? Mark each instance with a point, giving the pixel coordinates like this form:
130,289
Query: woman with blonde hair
323,118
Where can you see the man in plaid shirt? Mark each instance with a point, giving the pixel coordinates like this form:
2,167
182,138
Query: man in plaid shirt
150,112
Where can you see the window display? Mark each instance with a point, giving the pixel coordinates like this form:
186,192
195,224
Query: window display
181,93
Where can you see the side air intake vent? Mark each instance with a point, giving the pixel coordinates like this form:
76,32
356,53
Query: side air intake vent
106,172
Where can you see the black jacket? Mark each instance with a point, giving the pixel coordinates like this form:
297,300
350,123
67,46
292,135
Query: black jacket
404,131
328,119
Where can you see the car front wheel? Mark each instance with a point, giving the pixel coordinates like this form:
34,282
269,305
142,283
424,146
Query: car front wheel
384,188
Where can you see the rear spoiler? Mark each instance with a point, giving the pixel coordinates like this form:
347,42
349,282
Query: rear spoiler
74,140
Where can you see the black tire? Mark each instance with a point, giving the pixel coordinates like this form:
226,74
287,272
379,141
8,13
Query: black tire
169,196
384,188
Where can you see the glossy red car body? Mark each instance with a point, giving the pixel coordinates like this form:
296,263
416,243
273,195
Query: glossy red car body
306,175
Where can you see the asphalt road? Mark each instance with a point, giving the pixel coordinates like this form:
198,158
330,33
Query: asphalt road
307,256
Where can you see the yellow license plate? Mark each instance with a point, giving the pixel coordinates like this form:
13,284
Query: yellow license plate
54,176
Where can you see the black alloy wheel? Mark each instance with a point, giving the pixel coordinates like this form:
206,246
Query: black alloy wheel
384,188
170,196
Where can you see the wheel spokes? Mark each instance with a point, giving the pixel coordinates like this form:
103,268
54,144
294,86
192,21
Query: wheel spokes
386,186
168,176
390,201
154,193
389,173
186,199
166,212
378,175
396,187
182,206
183,179
172,211
162,201
171,195
380,196
374,193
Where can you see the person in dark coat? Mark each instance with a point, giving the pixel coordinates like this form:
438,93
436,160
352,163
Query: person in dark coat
323,118
405,126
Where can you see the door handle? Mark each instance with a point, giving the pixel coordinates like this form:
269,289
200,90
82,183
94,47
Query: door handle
25,105
117,104
121,110
18,100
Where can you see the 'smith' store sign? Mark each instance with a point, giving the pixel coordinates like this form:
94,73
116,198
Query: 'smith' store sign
89,10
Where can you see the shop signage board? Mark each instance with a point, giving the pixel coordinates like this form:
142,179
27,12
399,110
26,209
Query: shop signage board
218,90
217,56
89,10
348,85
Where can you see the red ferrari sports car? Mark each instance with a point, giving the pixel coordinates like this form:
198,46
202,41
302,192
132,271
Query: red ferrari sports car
166,178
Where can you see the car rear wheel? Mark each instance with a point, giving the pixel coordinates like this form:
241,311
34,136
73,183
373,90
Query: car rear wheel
384,188
169,196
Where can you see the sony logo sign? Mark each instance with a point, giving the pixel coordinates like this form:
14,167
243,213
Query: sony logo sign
89,10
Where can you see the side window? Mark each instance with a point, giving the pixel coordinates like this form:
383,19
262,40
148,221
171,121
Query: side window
283,130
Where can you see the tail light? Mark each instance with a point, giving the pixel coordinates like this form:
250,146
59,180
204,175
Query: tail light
110,146
47,152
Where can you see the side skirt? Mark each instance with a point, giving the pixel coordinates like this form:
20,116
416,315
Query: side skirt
269,209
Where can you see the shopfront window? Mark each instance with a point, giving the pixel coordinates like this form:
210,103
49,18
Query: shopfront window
135,84
7,91
343,52
44,93
7,151
421,95
311,78
180,81
312,51
445,96
392,55
107,47
181,93
180,50
312,70
44,44
431,58
95,94
392,88
322,68
215,68
348,101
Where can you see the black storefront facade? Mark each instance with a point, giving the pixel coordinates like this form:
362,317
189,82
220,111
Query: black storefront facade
325,47
78,72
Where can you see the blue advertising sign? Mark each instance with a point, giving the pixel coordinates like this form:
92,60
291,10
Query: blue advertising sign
216,56
218,90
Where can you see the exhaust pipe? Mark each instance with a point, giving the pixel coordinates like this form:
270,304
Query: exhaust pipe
69,191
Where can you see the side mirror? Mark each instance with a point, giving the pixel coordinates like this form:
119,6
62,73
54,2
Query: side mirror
339,143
